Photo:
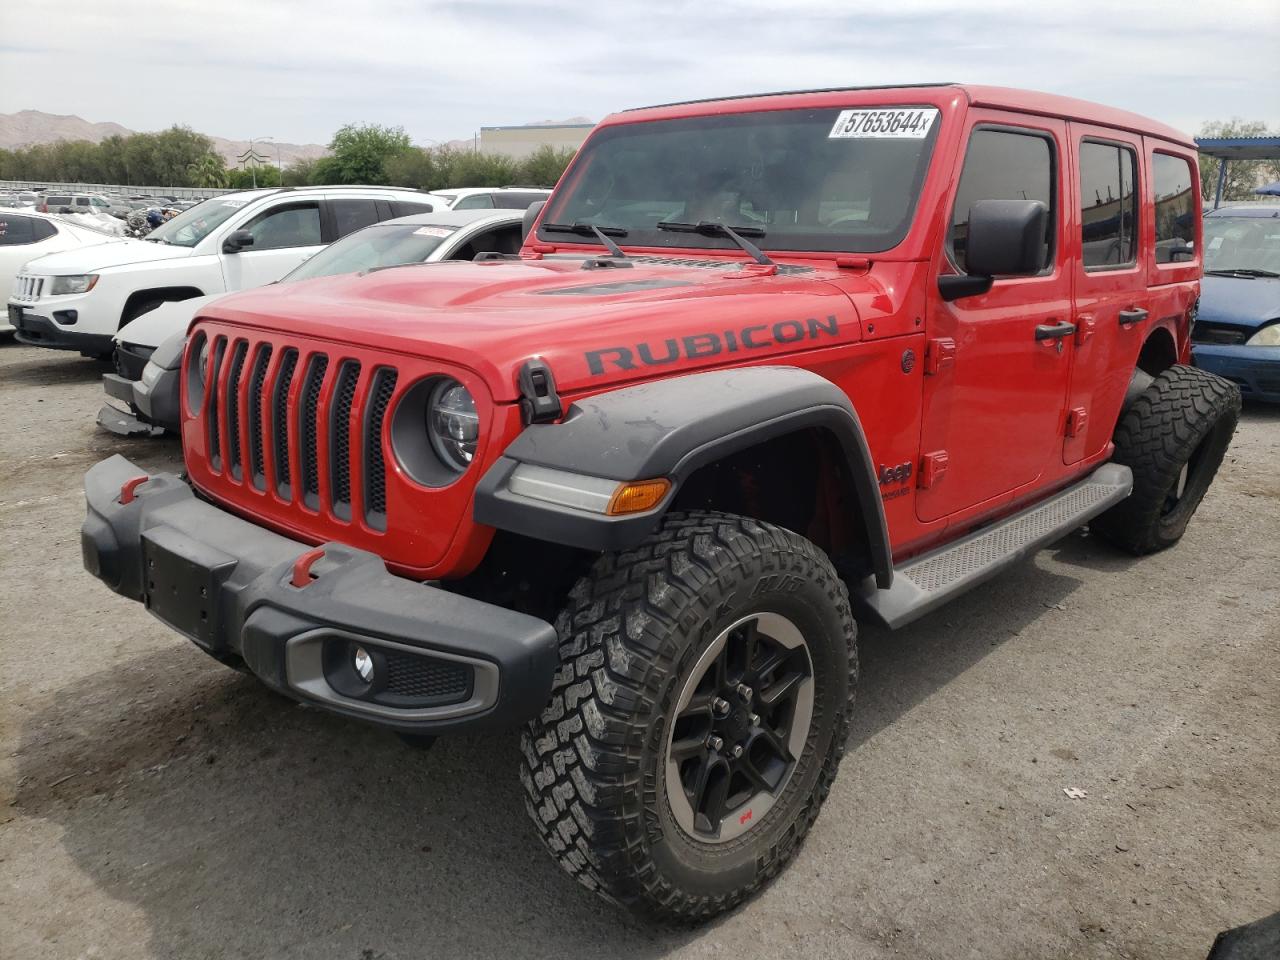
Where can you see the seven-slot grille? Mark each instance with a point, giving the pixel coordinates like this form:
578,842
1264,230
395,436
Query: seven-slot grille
28,288
339,414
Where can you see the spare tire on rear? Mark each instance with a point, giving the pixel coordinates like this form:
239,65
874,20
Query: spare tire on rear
1173,437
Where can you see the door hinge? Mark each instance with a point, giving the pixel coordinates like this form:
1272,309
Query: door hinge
938,354
1077,417
933,466
1084,328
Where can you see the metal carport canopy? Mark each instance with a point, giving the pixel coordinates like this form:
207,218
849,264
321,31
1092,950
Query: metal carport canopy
1227,149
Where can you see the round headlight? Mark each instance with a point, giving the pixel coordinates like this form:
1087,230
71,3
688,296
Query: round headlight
1266,337
453,424
202,361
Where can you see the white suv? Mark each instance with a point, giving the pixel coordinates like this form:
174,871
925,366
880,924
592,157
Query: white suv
78,299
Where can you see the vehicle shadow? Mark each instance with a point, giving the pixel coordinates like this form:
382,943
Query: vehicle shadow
1257,412
240,823
51,367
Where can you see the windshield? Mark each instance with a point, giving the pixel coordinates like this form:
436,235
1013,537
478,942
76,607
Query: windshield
831,179
382,245
1249,244
190,227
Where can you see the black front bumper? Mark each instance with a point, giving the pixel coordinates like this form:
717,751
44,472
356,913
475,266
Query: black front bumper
442,662
153,407
38,331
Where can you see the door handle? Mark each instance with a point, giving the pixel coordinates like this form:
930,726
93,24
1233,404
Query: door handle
1054,331
1131,316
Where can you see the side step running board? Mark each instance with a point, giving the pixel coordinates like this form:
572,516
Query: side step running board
923,583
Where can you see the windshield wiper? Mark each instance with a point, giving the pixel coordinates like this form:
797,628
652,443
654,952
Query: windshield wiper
1241,272
714,228
584,229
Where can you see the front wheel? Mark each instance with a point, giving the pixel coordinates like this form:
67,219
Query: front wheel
698,717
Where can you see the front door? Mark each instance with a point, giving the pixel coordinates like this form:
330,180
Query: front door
995,384
283,237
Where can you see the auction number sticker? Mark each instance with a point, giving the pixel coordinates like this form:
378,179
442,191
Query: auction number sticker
433,231
896,123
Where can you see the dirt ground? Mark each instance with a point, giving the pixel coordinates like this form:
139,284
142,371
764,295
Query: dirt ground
155,804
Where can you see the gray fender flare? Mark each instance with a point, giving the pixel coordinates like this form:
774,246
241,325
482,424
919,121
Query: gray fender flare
670,428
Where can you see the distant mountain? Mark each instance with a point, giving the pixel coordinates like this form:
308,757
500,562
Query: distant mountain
27,127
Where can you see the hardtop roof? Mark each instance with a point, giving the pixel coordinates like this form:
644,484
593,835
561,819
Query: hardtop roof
1004,98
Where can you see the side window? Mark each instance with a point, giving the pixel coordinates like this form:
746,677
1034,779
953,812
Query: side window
477,201
15,231
1175,208
295,225
350,215
1004,165
1108,204
42,230
403,208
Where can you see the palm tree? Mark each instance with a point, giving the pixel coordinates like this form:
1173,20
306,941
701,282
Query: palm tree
208,171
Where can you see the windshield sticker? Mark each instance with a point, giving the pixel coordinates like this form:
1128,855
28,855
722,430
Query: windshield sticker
891,124
234,204
1215,243
432,232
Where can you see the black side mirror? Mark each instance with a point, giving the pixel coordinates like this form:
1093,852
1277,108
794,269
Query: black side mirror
531,214
236,241
1005,239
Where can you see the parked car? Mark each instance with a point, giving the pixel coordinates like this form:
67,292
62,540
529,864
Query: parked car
26,235
149,349
1237,330
77,301
629,490
492,198
73,203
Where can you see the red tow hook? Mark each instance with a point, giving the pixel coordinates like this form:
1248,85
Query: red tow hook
127,494
302,567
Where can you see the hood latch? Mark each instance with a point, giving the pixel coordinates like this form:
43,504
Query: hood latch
539,402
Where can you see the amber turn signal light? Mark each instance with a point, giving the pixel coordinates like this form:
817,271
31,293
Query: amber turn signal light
637,497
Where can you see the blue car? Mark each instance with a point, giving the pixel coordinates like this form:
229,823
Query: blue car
1237,332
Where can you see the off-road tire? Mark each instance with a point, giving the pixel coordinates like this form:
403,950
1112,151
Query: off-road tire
1186,417
630,635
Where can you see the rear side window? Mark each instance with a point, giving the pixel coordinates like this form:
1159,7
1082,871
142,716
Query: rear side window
55,200
1175,208
42,230
350,215
477,201
516,201
1004,165
404,208
1108,204
16,231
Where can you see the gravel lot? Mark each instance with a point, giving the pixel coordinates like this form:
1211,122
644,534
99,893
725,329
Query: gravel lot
156,804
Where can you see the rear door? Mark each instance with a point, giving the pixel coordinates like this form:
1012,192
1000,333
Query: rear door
993,406
1112,309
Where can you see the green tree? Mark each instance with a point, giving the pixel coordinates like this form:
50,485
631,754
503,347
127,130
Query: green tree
1243,176
417,168
300,173
543,167
208,171
359,153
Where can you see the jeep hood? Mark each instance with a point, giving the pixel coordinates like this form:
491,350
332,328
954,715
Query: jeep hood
1243,301
100,256
594,327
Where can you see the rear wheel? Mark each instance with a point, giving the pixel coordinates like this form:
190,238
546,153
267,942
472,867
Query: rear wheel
698,718
1173,437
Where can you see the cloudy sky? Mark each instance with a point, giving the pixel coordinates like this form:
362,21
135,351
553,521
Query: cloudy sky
442,68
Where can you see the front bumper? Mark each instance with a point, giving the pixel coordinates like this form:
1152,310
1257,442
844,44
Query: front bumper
41,331
1255,370
443,662
153,407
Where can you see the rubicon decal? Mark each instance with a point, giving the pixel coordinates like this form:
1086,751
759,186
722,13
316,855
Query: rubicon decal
754,337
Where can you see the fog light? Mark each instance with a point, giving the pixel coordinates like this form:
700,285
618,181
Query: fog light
363,663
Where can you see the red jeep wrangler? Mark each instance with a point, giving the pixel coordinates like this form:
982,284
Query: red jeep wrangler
764,366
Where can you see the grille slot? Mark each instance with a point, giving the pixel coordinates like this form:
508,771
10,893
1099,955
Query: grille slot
280,423
215,415
375,469
310,433
344,394
426,679
233,406
257,469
